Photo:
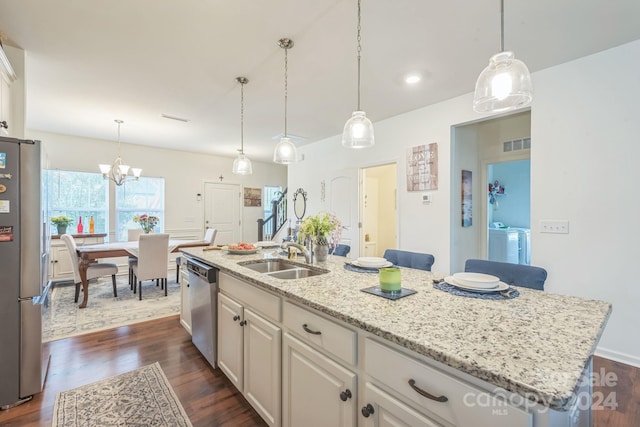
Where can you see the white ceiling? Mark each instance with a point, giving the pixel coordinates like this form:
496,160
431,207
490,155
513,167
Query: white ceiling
90,62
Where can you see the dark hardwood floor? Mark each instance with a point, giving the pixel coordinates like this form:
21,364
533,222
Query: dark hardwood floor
206,394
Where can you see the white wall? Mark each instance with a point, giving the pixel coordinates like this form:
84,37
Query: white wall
585,148
185,174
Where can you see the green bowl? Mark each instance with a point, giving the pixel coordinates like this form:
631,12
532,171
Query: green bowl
390,279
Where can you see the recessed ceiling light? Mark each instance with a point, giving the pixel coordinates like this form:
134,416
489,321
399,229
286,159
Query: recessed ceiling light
412,79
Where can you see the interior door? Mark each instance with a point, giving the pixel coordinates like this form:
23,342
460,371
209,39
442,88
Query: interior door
222,211
343,202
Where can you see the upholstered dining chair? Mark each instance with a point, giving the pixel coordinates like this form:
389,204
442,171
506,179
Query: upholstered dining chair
341,250
153,257
94,270
526,276
421,261
132,236
209,236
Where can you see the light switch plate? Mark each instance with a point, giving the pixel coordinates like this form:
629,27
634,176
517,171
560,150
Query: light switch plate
554,226
426,198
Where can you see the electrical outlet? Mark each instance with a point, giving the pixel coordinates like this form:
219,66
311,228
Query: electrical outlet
554,226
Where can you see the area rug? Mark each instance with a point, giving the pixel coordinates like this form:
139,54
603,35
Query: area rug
64,319
142,397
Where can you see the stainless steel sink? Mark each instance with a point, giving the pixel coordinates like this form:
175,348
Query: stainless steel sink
296,273
268,265
282,269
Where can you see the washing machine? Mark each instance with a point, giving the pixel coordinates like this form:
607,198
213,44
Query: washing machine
504,245
524,239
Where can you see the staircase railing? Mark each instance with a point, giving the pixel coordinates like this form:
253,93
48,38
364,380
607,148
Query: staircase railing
269,227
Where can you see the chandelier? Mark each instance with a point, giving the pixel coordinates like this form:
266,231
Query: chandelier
119,173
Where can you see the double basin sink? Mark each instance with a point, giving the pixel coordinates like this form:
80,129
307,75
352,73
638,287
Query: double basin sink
283,269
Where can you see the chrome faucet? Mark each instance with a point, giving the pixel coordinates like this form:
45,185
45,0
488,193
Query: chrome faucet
307,252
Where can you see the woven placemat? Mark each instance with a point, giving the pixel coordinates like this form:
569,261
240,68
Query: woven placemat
444,286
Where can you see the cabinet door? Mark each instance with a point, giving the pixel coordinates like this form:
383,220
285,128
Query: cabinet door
185,306
314,387
262,355
382,410
230,345
5,108
61,262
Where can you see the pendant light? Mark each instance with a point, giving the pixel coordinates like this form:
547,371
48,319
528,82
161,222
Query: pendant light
285,151
505,84
242,164
119,173
358,131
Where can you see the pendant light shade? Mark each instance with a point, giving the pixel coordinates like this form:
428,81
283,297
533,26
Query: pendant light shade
505,84
358,131
242,164
285,151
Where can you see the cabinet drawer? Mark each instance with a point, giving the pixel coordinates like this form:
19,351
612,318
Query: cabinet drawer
264,302
336,339
465,405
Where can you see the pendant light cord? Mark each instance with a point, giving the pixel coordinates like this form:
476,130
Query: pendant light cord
119,122
359,50
241,118
286,62
501,25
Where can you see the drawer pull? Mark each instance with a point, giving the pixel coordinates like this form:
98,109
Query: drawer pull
367,410
421,392
345,395
306,329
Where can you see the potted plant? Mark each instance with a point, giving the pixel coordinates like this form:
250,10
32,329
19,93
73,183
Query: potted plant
62,222
323,229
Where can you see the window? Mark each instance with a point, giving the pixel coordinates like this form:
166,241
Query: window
144,196
77,194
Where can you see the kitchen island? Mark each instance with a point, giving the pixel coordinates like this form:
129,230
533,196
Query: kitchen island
537,346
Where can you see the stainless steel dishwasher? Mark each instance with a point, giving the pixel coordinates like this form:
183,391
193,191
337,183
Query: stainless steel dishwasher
203,297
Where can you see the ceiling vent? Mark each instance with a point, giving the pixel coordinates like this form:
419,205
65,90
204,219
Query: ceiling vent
516,145
179,119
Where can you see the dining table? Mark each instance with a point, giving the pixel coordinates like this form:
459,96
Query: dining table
90,253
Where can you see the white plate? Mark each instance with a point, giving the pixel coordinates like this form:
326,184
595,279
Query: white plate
370,261
452,281
266,244
359,264
242,252
477,280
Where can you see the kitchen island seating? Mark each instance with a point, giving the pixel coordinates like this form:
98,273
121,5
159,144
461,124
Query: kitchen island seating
209,237
152,260
94,270
526,276
420,261
341,250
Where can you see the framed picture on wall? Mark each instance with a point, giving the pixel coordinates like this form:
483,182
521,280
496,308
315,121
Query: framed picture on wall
422,167
253,197
466,202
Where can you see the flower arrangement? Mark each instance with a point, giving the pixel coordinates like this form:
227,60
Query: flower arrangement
147,222
323,227
61,221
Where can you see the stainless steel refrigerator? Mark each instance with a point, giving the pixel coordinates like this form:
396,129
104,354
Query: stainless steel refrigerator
24,287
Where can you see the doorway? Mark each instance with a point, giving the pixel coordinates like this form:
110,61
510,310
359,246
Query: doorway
222,211
378,210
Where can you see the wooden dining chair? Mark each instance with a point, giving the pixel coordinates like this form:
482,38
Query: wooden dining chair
421,261
94,270
526,276
209,237
153,259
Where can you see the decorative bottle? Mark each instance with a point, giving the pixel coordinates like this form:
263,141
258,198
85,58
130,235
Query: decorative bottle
80,227
92,225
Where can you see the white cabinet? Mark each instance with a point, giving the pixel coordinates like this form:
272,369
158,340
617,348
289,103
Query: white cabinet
249,345
61,267
317,391
185,306
384,410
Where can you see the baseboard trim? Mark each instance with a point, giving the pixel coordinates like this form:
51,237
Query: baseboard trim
627,359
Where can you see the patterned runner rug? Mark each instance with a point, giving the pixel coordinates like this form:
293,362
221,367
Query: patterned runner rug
142,397
64,319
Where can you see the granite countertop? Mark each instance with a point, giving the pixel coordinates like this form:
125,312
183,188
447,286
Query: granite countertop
536,345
